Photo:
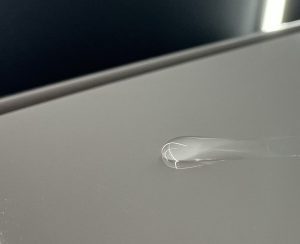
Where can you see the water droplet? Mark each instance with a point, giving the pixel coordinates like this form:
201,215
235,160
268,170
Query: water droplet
190,152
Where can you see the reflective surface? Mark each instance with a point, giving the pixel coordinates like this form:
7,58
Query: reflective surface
85,169
47,41
190,152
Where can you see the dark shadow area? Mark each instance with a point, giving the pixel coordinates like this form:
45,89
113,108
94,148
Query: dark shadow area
43,42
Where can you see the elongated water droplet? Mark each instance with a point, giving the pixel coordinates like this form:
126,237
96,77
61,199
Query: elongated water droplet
190,152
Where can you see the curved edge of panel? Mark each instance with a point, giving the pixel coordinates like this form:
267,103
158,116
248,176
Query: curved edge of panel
70,86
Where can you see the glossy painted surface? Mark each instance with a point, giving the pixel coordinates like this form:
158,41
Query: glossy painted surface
86,168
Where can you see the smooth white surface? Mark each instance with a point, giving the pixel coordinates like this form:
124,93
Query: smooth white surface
86,168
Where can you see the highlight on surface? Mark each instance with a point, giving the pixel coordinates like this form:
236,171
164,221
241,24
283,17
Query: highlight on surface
189,152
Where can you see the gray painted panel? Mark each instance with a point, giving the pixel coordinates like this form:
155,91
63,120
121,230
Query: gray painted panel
86,169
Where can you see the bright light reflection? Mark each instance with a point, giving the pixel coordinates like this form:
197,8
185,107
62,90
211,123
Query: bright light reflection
273,15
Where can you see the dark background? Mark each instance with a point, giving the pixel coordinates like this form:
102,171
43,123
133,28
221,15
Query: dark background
45,41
